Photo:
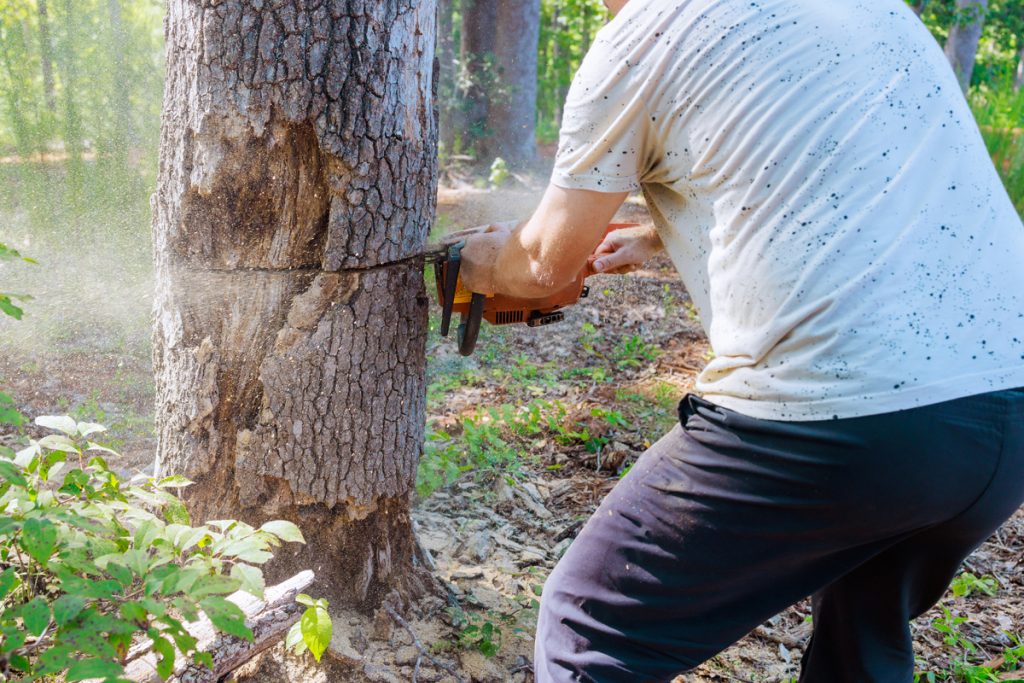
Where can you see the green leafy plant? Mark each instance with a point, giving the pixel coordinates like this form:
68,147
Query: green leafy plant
313,631
634,352
91,563
7,299
967,583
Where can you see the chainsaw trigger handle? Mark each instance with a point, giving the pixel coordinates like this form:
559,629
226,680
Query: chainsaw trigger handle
451,282
469,328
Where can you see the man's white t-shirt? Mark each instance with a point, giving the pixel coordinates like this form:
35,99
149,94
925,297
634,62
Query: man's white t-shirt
820,183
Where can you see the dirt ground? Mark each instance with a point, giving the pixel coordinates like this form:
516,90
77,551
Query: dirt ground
544,422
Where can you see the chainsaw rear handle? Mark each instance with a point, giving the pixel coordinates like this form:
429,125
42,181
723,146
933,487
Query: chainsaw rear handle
469,326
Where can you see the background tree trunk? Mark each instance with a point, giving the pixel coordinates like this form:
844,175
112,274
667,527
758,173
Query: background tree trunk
297,184
46,57
479,21
964,36
123,131
512,116
73,144
446,96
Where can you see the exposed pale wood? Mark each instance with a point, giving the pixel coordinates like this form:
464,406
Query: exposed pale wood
269,620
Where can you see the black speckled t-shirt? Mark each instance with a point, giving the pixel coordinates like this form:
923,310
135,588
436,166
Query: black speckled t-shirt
818,179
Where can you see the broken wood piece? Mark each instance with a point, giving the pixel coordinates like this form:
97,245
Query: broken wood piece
269,619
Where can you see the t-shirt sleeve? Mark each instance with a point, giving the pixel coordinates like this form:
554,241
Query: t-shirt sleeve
602,144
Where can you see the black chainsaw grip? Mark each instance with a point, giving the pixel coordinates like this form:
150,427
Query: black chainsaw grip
469,328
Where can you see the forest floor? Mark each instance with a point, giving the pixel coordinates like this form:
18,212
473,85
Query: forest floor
525,437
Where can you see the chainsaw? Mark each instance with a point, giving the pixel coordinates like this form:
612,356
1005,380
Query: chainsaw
497,309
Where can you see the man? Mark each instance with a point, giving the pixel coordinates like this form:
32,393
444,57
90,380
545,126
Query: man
818,180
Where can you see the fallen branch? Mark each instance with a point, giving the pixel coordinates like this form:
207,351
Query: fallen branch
419,645
269,619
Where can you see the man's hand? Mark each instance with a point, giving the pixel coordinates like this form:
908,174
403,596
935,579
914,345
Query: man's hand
483,245
625,250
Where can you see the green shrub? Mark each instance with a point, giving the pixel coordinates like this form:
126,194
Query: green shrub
90,563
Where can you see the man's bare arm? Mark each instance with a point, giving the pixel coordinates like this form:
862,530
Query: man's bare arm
545,253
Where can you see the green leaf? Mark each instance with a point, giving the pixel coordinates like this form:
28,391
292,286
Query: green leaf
87,428
284,530
60,423
316,630
38,538
165,666
204,658
250,577
8,581
134,612
210,585
294,641
304,599
19,662
13,638
93,668
9,308
66,608
226,616
176,513
12,473
36,615
173,482
9,412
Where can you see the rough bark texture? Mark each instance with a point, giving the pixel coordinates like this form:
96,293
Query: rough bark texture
512,116
964,36
297,180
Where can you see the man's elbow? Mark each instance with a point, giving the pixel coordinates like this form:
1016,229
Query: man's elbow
545,280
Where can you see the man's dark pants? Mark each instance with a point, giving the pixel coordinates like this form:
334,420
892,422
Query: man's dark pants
728,520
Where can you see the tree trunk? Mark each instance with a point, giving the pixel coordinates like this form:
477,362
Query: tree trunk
964,36
513,113
296,188
446,99
479,18
73,145
46,57
123,132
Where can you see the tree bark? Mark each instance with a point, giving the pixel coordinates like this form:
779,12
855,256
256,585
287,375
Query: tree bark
964,36
296,188
479,20
512,117
46,57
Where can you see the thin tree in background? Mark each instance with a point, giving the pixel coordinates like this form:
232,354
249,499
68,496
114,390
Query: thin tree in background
964,36
297,185
512,117
476,56
46,56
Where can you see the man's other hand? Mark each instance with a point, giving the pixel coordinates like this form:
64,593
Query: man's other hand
625,250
